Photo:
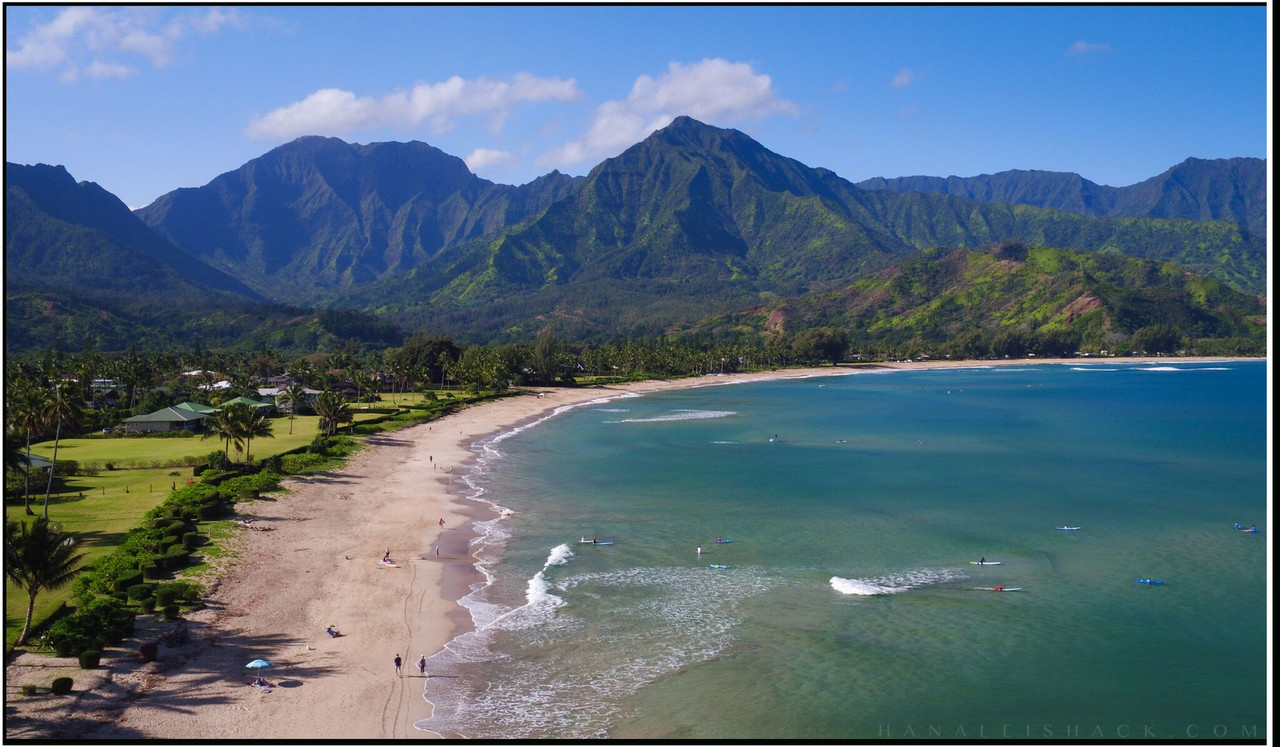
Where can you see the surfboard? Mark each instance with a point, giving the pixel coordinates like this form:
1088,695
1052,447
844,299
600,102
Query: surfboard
1147,581
723,542
1068,529
603,543
989,562
1007,588
718,565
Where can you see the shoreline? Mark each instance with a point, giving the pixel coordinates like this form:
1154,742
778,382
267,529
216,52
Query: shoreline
320,566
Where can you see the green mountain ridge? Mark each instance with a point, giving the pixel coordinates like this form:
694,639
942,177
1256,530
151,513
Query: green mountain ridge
694,229
1228,189
317,216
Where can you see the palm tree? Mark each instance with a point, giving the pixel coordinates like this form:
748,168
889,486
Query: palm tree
296,396
63,406
222,425
333,411
251,423
27,409
38,556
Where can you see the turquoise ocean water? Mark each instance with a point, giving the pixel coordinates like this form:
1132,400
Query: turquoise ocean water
850,609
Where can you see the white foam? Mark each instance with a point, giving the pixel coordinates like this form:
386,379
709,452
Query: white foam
679,415
1092,368
540,604
895,583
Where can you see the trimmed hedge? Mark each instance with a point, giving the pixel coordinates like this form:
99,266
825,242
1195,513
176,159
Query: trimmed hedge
61,686
90,659
170,612
165,594
141,591
128,579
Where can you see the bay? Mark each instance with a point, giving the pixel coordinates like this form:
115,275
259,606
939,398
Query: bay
849,608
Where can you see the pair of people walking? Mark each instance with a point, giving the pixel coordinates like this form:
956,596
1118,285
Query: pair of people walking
422,664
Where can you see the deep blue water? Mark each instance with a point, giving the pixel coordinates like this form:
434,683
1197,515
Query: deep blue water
850,608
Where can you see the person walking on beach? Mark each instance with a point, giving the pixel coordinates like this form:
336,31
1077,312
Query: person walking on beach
422,665
398,662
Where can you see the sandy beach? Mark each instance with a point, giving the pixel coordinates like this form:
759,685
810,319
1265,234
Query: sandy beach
318,566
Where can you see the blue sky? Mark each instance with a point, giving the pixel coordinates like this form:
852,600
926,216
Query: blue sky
149,99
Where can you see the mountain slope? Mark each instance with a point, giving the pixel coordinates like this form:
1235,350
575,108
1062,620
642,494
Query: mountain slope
1233,190
318,215
1078,297
64,235
80,267
702,219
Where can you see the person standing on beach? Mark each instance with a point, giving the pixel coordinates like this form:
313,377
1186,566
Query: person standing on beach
398,662
422,665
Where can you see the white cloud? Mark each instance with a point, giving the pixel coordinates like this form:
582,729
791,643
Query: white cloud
99,69
436,106
714,91
488,158
1088,49
77,34
904,77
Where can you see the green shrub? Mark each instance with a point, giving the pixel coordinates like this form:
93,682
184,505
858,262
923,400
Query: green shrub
165,594
295,464
128,579
190,540
140,591
187,591
153,570
61,686
29,689
66,637
147,604
209,511
177,558
90,659
170,611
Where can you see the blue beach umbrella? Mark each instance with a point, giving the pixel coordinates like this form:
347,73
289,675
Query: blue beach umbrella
258,664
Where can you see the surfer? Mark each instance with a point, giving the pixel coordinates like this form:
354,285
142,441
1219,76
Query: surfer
999,588
698,552
982,560
593,541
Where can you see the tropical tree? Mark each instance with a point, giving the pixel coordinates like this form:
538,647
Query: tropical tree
63,406
223,425
27,410
296,396
333,411
250,423
38,557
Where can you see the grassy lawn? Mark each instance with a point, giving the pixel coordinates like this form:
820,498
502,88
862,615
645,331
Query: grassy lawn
143,451
113,503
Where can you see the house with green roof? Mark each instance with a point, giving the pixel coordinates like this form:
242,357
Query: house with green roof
168,419
245,401
196,407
